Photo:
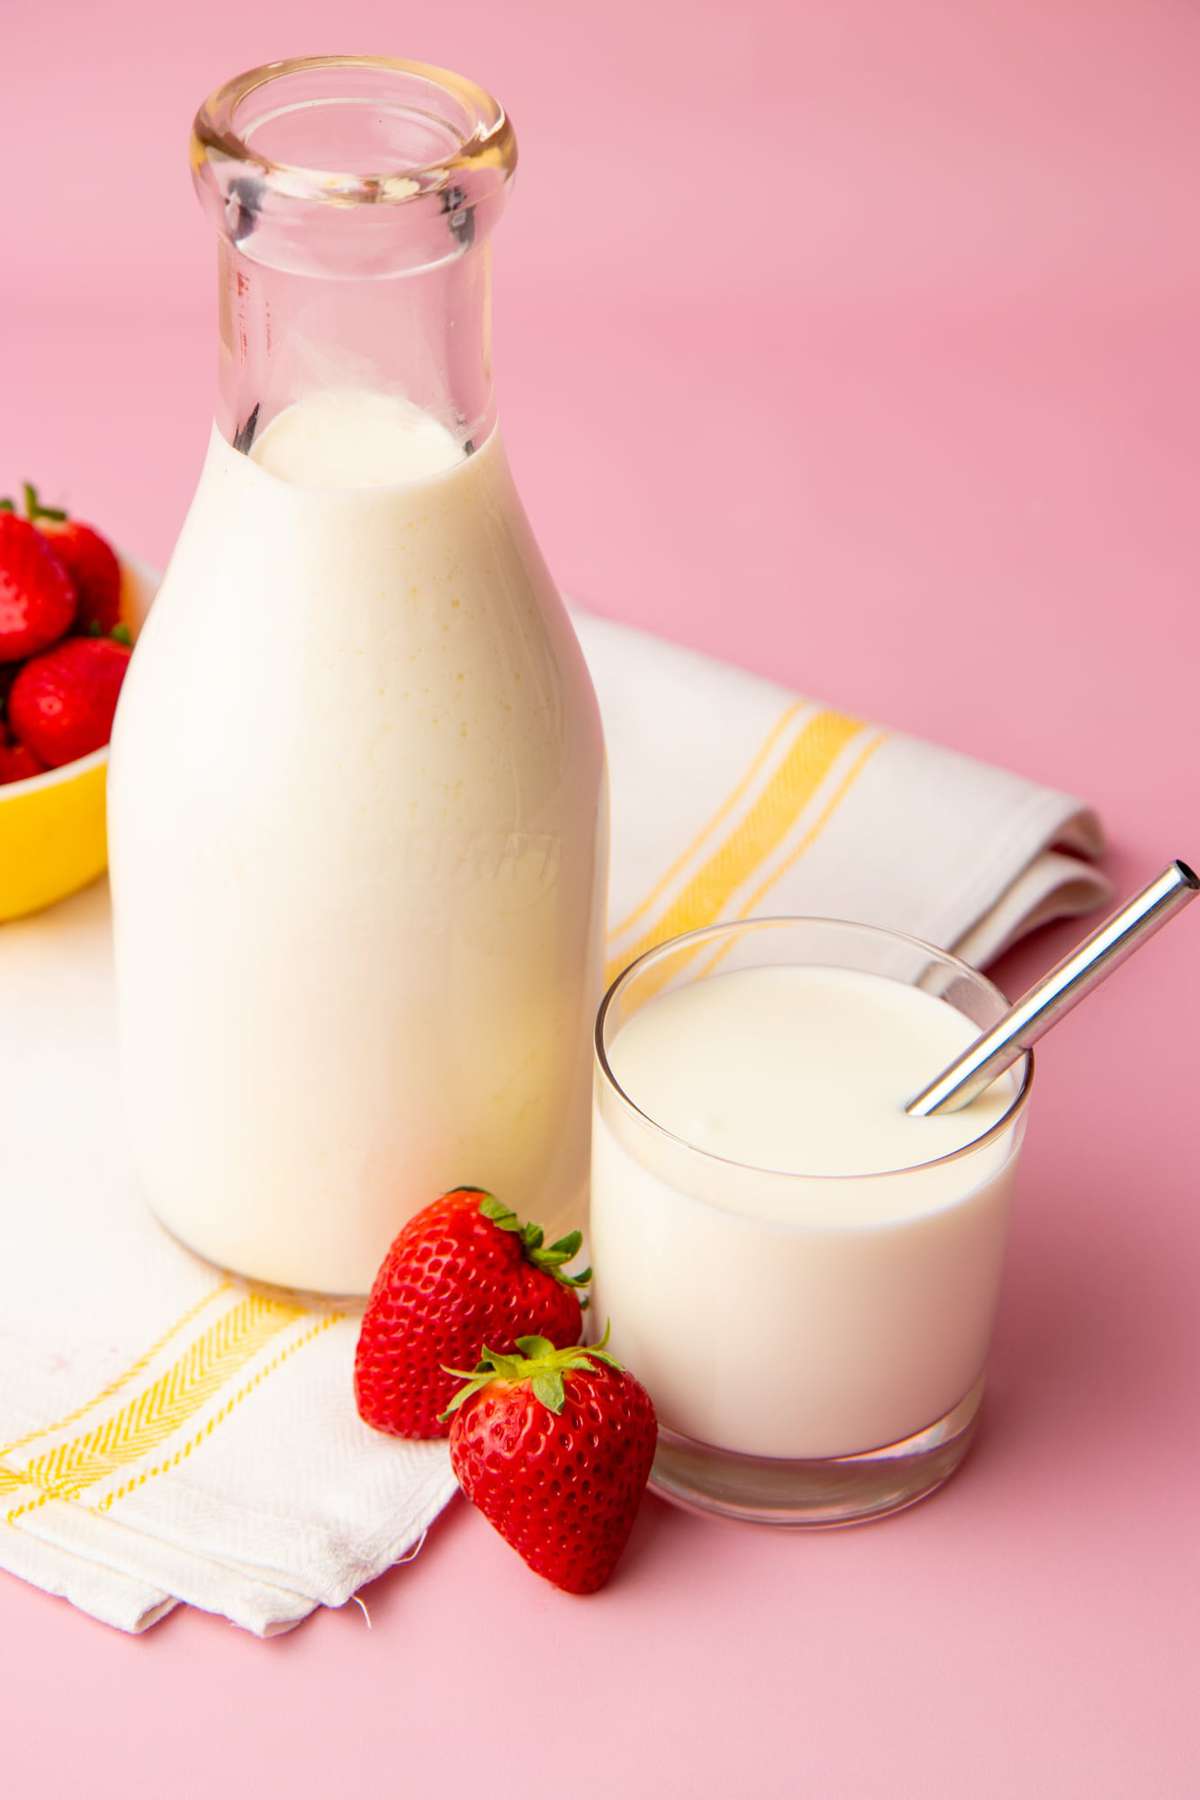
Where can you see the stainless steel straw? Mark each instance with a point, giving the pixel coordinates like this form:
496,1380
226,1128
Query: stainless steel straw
1030,1017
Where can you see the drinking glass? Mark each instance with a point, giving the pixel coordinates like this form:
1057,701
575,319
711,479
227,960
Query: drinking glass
815,1345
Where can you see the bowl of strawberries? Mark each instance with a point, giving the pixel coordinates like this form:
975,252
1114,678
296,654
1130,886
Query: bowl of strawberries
70,609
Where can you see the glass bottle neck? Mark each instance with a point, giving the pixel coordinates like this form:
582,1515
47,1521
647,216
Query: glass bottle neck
423,335
354,197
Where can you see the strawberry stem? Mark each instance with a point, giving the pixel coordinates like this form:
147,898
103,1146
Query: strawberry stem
34,509
538,1362
549,1257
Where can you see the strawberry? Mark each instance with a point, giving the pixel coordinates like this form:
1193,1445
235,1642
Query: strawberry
88,558
37,595
554,1447
463,1272
61,704
17,763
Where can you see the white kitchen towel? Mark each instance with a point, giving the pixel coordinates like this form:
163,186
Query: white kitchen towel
167,1434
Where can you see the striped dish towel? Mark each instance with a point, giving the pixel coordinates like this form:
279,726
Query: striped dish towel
166,1435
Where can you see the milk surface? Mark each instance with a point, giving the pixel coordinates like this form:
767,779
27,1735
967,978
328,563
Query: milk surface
829,1286
358,848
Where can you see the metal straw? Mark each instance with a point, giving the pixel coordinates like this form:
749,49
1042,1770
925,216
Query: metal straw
1045,1003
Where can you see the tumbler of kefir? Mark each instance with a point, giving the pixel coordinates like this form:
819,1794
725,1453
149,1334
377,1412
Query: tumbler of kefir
803,1276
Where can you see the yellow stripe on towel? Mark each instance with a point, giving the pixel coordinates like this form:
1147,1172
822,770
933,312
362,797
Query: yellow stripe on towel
718,818
155,1414
756,836
127,1375
806,841
817,827
218,1418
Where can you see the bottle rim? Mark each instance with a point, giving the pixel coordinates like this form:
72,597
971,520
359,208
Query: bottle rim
475,135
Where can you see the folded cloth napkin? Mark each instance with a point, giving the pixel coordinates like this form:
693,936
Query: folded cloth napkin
168,1435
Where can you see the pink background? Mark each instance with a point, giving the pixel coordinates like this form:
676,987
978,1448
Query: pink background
856,342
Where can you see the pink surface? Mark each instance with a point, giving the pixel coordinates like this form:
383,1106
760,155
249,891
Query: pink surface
857,343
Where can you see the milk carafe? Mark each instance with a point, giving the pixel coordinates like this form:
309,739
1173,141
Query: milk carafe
358,833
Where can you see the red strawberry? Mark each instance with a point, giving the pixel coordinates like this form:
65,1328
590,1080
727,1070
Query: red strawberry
464,1272
61,704
554,1447
17,763
88,558
37,595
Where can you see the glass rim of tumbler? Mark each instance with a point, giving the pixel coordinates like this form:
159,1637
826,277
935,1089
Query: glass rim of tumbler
730,931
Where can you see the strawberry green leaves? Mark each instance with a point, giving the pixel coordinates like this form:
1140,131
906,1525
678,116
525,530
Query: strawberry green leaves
34,508
550,1257
538,1362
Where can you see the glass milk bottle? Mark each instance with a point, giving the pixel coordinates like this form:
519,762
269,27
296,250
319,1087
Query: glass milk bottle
357,798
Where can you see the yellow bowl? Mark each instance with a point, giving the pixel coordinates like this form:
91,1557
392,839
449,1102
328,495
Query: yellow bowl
52,827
